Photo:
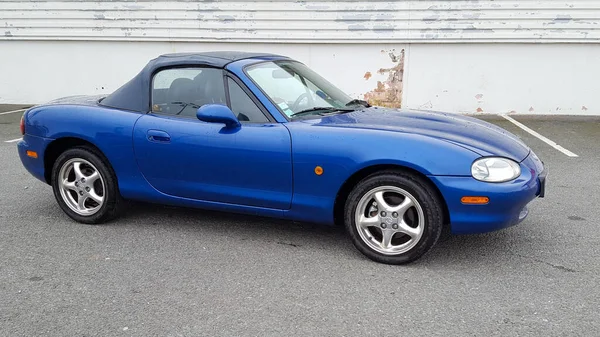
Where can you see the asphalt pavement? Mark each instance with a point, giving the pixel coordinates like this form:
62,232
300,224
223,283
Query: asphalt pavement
163,271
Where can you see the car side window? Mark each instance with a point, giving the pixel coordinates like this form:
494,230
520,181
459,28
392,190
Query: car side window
181,91
243,106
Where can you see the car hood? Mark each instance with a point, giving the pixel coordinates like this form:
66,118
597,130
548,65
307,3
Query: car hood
481,137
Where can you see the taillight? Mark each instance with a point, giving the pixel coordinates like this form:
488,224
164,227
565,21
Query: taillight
22,124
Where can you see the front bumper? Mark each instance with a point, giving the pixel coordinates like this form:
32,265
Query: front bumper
542,178
508,201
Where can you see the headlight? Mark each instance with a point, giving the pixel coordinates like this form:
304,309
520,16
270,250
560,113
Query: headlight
495,170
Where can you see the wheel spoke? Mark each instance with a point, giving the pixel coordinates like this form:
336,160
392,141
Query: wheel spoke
403,207
68,185
381,203
77,170
93,177
71,200
365,222
94,196
403,227
81,202
386,240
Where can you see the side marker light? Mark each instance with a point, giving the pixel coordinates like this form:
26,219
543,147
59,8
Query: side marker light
475,200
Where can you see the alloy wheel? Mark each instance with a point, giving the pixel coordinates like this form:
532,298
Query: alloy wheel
389,220
81,186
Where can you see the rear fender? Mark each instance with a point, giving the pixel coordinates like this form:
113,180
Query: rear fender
109,130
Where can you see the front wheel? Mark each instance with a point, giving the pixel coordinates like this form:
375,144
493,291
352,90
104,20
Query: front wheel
393,217
85,186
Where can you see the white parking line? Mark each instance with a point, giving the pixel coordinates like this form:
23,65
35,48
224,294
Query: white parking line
13,140
11,112
540,137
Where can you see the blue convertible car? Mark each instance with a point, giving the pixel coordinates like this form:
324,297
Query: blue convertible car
263,134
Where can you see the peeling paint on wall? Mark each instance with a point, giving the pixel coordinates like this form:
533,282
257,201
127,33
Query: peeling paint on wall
285,21
563,18
389,92
226,18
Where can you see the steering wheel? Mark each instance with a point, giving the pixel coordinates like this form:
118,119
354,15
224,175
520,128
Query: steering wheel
300,98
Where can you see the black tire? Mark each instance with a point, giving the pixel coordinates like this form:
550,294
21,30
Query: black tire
421,190
112,198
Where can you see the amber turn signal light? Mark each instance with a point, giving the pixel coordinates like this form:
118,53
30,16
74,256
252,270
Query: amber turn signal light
475,200
318,170
32,154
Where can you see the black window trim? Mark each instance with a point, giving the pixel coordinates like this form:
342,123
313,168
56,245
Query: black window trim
245,70
250,94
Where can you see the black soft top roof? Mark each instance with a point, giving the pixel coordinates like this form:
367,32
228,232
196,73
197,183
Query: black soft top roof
135,94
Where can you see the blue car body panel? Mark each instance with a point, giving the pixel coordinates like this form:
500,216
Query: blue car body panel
250,166
269,169
343,151
479,136
35,166
507,201
109,130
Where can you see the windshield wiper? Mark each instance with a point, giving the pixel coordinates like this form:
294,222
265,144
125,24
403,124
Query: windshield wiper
325,109
185,105
359,102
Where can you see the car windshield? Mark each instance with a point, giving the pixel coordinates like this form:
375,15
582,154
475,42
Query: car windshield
298,91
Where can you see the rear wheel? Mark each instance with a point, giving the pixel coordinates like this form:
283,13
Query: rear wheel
393,217
85,186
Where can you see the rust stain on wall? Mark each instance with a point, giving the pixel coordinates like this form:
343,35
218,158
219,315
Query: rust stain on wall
389,92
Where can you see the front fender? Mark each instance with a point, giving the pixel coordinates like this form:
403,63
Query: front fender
341,152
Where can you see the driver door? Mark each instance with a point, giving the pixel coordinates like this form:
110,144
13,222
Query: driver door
182,156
